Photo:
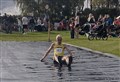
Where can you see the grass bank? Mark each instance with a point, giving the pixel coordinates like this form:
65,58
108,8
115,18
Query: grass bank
112,45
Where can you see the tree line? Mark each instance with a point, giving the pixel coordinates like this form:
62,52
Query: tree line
62,7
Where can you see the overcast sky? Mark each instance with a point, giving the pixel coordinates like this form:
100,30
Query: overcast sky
8,6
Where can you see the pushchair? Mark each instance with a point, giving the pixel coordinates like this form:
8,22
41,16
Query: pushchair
84,29
98,33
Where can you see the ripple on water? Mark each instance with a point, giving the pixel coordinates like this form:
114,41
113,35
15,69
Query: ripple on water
87,66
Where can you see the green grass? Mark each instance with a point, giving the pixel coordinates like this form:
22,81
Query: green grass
112,45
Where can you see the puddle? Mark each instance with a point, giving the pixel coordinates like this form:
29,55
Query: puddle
86,67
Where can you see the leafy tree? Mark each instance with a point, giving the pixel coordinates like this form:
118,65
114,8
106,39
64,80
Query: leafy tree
37,7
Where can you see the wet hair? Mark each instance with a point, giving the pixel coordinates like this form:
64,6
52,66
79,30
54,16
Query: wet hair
58,36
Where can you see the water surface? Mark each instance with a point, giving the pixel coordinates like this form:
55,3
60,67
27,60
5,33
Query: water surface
20,62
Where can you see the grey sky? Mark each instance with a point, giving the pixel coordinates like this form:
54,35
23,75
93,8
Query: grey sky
8,6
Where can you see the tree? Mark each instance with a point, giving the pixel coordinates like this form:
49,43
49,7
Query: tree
37,7
30,6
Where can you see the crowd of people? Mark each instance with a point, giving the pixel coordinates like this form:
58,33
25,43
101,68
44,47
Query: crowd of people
22,24
75,24
7,22
103,23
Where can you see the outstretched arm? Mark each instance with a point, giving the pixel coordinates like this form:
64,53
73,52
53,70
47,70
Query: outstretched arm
48,51
68,50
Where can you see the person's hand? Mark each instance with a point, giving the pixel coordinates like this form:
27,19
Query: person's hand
42,60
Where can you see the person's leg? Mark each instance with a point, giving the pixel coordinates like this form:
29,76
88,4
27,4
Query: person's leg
58,59
19,29
30,27
10,30
72,34
68,60
23,28
55,63
26,28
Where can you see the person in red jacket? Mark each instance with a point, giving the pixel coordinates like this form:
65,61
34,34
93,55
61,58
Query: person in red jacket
117,22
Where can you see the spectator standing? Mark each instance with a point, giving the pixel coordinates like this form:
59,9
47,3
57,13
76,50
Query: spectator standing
32,24
10,21
19,21
45,22
39,27
72,29
43,26
77,22
64,23
25,24
5,22
0,22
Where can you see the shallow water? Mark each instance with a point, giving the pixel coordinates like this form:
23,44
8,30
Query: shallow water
20,62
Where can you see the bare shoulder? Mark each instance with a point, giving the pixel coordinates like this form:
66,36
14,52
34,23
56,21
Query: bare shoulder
52,44
64,45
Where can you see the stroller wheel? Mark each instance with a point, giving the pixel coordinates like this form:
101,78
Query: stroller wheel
105,38
98,38
90,37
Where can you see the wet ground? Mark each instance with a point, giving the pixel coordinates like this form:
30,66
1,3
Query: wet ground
20,62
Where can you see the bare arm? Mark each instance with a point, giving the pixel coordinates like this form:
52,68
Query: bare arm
48,51
68,50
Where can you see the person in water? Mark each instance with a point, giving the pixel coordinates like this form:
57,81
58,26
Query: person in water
59,57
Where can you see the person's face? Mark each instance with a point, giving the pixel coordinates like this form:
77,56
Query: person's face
59,40
90,15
